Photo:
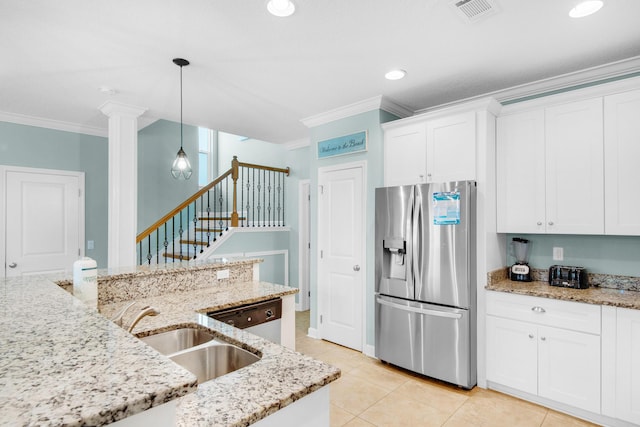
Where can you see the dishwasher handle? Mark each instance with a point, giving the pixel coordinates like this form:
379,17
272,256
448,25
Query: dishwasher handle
424,311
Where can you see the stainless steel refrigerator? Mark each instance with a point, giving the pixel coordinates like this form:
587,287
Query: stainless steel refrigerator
426,279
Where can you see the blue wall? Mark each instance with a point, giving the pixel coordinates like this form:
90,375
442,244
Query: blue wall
35,147
371,122
618,255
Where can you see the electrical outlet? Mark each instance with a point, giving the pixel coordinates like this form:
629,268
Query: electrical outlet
222,274
558,254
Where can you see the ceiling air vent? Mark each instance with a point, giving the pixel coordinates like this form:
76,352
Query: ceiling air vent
474,10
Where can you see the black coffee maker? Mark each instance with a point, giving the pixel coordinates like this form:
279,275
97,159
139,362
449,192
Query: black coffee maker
520,271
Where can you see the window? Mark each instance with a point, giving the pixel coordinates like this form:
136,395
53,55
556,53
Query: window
205,156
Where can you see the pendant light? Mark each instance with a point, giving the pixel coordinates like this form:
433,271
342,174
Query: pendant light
181,167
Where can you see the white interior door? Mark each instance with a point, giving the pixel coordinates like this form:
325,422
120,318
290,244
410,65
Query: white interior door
304,244
341,269
44,220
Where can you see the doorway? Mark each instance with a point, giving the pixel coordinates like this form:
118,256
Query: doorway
304,244
341,253
42,216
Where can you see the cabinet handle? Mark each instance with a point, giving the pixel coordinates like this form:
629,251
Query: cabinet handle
550,222
531,336
537,309
543,338
539,223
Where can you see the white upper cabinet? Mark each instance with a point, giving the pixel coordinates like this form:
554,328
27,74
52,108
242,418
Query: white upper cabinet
621,160
434,147
521,179
405,155
574,168
550,170
451,148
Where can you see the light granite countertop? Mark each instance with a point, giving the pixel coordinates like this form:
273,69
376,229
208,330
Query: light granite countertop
62,363
243,397
592,295
87,371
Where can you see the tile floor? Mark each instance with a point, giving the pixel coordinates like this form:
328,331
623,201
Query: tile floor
370,393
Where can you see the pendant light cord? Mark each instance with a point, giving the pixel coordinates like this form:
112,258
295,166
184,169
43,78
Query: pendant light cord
181,107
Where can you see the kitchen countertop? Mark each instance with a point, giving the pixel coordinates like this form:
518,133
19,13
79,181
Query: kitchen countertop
592,295
240,398
62,363
86,370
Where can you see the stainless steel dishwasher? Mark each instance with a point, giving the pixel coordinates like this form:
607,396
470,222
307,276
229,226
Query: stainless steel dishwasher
262,318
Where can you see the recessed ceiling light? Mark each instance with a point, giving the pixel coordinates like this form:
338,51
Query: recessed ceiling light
281,8
107,90
395,74
585,8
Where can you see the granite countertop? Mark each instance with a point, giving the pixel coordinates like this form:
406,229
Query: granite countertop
592,295
62,363
240,398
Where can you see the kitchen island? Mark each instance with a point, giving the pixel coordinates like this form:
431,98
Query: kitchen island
63,363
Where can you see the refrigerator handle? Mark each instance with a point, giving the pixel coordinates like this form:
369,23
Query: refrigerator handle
416,237
409,235
420,310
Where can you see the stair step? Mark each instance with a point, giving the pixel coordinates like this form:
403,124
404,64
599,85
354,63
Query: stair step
193,242
211,230
177,256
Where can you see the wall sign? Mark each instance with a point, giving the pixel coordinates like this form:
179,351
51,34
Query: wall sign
347,144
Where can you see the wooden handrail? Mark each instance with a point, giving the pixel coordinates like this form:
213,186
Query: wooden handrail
180,207
266,168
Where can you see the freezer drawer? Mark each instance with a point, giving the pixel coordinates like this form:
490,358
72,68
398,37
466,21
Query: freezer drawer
428,339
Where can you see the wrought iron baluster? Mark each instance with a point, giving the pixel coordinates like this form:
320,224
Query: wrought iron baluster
166,243
242,196
269,198
281,184
195,220
208,220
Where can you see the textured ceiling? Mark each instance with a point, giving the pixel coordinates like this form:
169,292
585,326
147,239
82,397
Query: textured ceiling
257,75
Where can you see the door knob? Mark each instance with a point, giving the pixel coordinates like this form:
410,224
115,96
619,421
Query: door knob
356,268
13,265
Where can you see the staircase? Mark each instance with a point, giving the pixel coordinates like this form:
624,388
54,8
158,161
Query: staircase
194,225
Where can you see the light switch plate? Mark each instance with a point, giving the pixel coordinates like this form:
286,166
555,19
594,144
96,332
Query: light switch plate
222,274
89,245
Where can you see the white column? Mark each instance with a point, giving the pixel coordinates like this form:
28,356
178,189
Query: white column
123,182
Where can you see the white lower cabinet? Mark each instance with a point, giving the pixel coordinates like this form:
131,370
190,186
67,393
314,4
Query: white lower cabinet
530,349
627,385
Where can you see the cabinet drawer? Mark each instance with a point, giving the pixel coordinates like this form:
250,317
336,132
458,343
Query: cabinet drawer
544,311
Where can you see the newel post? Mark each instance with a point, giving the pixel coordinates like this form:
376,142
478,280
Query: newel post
234,176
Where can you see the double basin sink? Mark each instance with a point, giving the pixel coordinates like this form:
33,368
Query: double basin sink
199,352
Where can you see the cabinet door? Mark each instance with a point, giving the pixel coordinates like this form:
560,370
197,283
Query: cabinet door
627,366
521,173
511,354
569,367
621,155
574,168
405,155
451,148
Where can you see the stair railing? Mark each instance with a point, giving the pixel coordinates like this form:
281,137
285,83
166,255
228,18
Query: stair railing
197,222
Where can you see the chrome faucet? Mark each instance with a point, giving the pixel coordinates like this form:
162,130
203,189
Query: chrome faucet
144,311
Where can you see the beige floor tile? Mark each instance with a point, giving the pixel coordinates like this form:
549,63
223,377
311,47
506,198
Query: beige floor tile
344,359
447,399
394,410
358,422
339,416
380,375
557,419
489,408
354,395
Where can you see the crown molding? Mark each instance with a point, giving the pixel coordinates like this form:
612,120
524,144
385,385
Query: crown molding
562,83
299,143
22,119
374,103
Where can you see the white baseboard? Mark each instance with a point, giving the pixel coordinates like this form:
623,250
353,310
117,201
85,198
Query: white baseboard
369,350
313,333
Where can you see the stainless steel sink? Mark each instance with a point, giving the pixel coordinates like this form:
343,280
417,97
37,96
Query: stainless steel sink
177,340
213,361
